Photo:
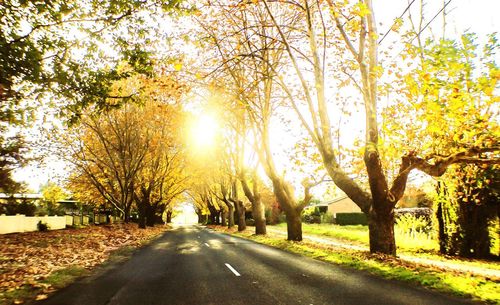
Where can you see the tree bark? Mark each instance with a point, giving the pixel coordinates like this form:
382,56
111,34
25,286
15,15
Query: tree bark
381,230
142,215
126,214
223,218
230,217
294,226
169,217
217,218
150,215
259,216
240,211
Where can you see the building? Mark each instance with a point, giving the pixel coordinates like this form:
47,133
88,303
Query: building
340,204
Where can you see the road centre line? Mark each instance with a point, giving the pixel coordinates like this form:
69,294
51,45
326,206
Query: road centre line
232,269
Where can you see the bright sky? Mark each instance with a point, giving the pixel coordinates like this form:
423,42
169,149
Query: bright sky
480,16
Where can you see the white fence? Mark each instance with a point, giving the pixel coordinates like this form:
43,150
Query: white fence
22,223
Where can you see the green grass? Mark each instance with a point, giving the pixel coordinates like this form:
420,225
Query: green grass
57,279
63,277
475,287
359,235
418,245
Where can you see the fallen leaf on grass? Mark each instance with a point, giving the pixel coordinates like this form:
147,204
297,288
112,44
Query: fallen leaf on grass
41,297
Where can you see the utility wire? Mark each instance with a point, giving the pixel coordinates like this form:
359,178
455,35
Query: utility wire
428,23
390,28
433,18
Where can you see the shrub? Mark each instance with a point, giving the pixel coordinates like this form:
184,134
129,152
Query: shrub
327,218
13,208
351,219
311,215
282,217
411,225
42,227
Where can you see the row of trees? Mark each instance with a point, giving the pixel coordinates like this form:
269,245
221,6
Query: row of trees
302,55
132,156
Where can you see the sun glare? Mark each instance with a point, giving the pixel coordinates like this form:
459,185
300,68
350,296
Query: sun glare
204,131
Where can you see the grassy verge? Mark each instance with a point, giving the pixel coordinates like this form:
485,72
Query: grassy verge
475,287
418,245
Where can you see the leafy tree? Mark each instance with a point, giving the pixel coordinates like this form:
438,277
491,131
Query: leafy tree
316,57
248,52
466,207
66,52
52,193
451,98
130,151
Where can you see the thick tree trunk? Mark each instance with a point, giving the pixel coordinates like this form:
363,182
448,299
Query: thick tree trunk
381,227
240,211
259,216
169,217
294,226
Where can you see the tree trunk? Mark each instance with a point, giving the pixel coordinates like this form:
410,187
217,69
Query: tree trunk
126,214
223,218
294,226
150,215
442,236
381,229
230,216
142,215
240,211
217,218
476,240
259,216
169,217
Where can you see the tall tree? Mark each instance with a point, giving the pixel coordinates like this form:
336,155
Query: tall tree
250,59
355,41
67,52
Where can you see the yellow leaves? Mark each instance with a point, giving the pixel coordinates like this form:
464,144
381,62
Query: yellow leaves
360,9
396,26
178,66
41,297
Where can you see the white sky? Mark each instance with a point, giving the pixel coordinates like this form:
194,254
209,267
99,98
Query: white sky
479,16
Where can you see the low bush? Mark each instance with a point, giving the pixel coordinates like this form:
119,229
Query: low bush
327,218
42,227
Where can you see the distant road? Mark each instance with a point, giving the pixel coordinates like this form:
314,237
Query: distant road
195,266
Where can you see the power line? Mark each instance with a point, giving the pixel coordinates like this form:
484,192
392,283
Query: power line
390,28
420,32
433,18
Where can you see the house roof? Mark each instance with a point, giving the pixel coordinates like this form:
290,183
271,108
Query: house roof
328,202
20,196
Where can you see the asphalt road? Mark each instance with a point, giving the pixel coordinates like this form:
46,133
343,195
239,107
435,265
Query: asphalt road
195,266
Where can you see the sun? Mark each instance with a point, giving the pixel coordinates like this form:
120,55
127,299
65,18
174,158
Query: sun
204,131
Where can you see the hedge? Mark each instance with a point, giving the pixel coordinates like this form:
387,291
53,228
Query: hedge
351,219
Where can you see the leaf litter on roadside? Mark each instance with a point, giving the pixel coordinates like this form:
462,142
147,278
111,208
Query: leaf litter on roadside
26,259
